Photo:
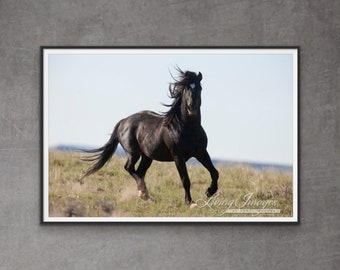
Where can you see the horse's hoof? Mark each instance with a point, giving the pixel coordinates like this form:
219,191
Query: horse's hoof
210,192
145,196
150,200
193,205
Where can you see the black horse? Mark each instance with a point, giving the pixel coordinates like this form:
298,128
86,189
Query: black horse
177,135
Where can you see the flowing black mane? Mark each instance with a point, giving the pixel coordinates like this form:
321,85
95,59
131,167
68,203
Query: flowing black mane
173,116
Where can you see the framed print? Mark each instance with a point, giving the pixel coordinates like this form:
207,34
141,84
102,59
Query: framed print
199,134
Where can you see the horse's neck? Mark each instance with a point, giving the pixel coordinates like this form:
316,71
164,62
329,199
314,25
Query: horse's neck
192,122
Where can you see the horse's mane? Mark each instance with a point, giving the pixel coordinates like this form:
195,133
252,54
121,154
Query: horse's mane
173,116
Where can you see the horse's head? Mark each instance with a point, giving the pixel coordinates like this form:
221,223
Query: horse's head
186,92
191,95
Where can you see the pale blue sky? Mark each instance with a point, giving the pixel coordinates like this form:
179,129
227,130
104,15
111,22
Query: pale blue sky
247,99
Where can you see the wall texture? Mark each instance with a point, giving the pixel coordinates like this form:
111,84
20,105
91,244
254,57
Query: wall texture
26,25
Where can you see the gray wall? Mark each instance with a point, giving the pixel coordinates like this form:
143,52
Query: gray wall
26,25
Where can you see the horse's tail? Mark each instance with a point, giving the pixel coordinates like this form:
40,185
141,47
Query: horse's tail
103,154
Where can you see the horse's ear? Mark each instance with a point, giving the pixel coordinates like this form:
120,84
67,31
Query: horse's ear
200,76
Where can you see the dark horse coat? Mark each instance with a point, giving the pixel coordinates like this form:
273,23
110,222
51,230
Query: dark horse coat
176,135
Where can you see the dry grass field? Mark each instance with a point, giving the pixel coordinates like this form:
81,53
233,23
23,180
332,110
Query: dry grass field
112,192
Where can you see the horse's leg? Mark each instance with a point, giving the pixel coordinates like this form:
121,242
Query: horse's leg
204,158
183,173
141,171
139,174
129,166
